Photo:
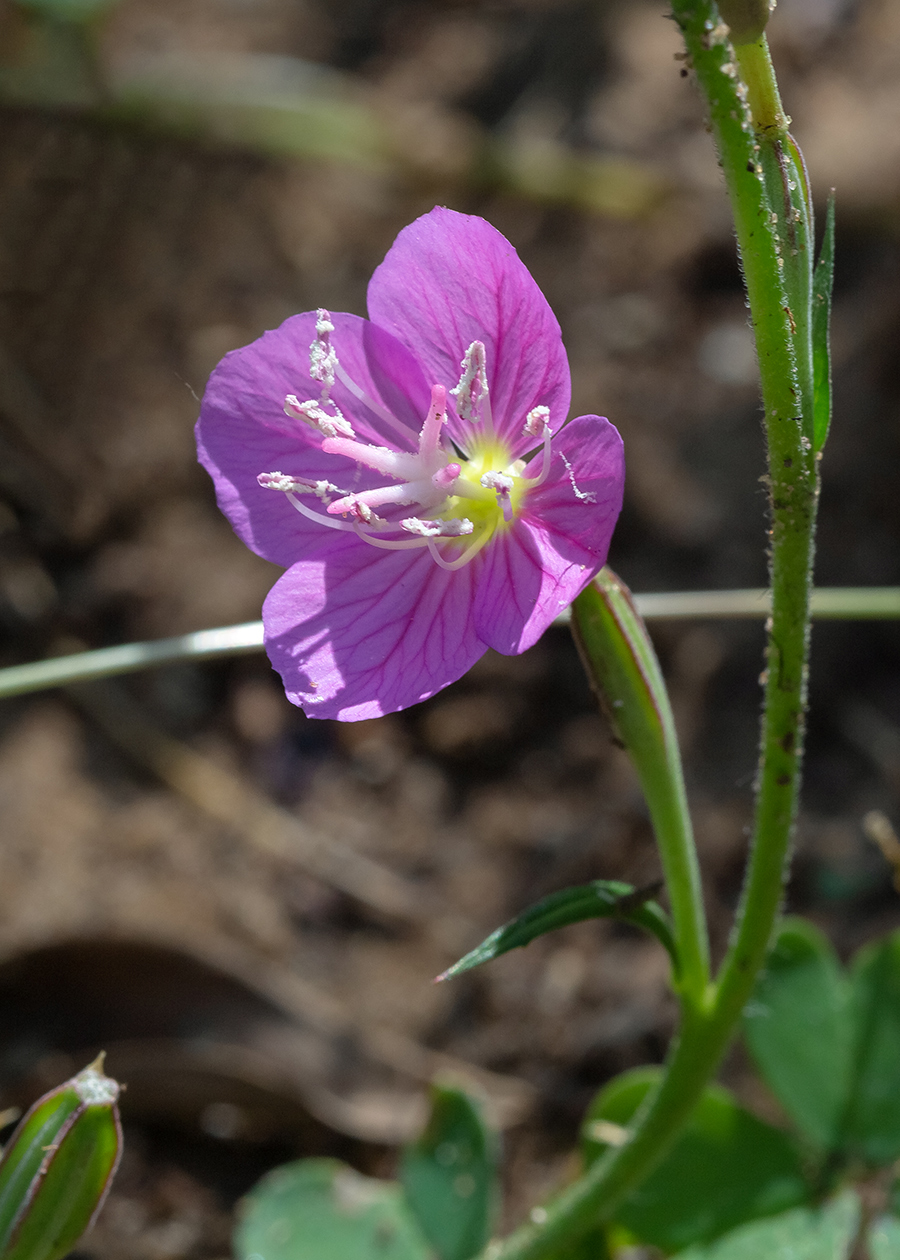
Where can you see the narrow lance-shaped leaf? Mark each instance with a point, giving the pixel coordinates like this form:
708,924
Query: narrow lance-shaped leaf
601,899
823,280
449,1176
58,1166
791,219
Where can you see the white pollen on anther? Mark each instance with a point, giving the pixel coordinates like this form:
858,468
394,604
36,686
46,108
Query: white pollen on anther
298,485
457,528
471,392
323,361
276,481
498,482
311,413
536,421
584,495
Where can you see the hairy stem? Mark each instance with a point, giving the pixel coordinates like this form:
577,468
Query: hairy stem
772,216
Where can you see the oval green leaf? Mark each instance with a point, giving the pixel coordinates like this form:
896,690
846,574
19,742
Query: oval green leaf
799,1029
821,1233
449,1176
319,1209
872,1130
726,1168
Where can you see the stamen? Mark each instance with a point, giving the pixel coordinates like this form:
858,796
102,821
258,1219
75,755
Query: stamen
399,428
471,392
468,555
536,422
297,485
456,528
546,455
501,484
584,495
322,358
318,517
312,414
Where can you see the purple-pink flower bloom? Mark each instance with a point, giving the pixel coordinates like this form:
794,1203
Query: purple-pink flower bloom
412,473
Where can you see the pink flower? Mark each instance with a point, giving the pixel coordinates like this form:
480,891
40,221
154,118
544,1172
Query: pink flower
412,473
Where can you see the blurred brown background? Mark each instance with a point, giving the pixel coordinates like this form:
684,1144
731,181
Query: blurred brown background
246,907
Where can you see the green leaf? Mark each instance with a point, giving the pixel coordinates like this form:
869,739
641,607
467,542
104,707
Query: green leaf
603,898
799,1030
821,1233
319,1209
872,1130
884,1238
727,1167
449,1176
58,1166
823,280
68,10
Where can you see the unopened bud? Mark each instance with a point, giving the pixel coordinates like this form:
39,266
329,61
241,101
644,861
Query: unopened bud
58,1166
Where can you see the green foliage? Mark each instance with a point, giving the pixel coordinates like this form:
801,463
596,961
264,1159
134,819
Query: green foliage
829,1044
449,1176
822,1233
884,1238
799,1030
68,10
603,898
727,1166
319,1209
57,1168
872,1129
823,280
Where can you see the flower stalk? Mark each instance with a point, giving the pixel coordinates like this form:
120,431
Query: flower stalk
769,195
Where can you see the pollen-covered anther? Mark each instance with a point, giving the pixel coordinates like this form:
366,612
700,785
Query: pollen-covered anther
537,422
297,485
471,392
311,413
323,361
501,484
457,528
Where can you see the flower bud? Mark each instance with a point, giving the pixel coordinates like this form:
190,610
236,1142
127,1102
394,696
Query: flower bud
58,1166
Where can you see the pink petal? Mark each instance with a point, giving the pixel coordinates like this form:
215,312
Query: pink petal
450,279
243,431
559,541
361,631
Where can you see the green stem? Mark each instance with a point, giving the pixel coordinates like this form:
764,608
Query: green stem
751,135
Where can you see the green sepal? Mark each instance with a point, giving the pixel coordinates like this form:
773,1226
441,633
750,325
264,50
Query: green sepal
58,1166
621,664
320,1209
601,899
791,222
727,1166
823,282
450,1176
